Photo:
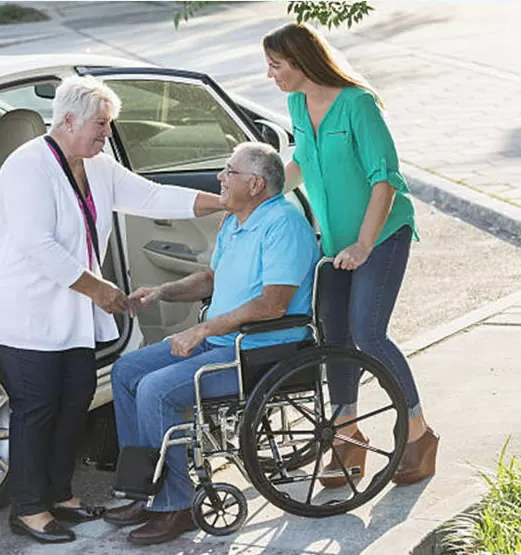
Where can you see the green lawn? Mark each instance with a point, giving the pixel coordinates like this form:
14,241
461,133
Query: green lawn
14,13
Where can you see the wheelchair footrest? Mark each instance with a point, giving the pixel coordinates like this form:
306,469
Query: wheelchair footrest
135,473
354,472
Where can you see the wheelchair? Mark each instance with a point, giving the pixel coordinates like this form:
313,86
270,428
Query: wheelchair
280,428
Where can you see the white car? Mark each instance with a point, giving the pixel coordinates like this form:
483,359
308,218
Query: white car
175,127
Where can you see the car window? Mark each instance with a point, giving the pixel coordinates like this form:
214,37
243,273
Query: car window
29,96
171,126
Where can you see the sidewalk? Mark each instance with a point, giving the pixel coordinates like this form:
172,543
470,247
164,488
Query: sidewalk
469,382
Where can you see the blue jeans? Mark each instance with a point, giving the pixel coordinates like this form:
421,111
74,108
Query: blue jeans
152,389
355,309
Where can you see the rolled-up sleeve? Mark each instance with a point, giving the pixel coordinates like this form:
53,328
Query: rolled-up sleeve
138,196
30,217
375,144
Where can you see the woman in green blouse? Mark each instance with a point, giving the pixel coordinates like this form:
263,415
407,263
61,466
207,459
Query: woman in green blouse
347,159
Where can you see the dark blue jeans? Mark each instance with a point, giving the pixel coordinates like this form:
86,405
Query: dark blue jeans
49,396
355,309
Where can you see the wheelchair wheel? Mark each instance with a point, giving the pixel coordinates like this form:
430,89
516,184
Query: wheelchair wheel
299,384
219,509
294,453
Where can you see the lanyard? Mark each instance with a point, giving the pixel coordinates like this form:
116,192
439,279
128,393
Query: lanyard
68,172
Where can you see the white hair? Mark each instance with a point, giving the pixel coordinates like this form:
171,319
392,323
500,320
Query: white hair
83,97
265,161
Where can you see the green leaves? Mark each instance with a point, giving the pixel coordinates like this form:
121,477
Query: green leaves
187,11
494,525
329,14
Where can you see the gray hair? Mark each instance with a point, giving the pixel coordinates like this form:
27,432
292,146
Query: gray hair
83,97
265,161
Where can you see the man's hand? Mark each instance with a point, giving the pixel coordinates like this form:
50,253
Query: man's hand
351,257
183,343
143,297
109,297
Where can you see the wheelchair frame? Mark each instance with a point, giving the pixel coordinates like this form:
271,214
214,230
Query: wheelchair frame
199,428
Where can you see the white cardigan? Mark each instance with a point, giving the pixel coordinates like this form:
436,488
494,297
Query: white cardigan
43,246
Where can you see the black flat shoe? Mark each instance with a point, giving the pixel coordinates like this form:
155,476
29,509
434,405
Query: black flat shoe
53,532
84,513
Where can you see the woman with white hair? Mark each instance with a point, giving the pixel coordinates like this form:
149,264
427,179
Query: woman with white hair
57,194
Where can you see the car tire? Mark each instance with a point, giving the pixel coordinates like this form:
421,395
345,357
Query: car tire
4,446
102,448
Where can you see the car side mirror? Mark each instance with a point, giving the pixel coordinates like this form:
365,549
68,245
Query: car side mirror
273,134
45,90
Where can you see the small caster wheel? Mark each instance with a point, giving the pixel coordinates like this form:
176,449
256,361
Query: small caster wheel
219,509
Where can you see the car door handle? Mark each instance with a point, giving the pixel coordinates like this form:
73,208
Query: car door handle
163,223
176,257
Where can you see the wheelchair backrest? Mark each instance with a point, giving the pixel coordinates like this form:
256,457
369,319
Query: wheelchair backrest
256,363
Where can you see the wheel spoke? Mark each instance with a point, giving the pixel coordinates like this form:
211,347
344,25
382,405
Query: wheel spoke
346,474
215,519
303,410
293,432
334,416
315,473
363,417
365,446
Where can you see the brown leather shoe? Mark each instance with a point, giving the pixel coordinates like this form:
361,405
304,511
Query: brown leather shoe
163,527
419,459
353,458
134,513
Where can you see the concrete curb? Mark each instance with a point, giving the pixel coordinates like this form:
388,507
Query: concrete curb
479,209
436,335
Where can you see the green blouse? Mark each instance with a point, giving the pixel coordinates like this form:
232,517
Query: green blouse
352,151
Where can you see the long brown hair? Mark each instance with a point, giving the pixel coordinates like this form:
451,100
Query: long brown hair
304,48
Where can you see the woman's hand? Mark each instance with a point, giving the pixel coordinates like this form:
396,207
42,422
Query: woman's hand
143,297
109,297
352,257
183,342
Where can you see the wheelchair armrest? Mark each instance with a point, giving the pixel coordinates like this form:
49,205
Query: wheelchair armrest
205,305
284,323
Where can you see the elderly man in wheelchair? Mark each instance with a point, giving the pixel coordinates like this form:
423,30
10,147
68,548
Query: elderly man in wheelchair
255,374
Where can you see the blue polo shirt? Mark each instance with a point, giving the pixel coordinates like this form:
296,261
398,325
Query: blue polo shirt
274,246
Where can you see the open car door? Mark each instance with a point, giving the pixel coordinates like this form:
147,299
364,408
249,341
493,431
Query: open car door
176,128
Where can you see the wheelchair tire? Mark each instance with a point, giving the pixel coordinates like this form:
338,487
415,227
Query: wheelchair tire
285,488
228,503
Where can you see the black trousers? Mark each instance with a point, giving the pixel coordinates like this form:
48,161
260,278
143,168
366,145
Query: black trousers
49,396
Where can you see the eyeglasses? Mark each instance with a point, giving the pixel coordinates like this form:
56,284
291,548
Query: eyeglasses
228,171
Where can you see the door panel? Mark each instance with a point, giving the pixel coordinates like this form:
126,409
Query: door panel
174,128
158,254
